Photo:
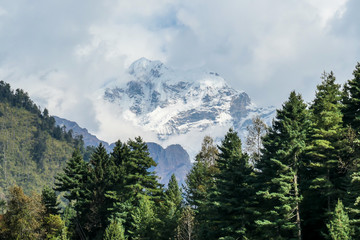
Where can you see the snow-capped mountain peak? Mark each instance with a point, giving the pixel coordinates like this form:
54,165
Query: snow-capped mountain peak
172,102
146,69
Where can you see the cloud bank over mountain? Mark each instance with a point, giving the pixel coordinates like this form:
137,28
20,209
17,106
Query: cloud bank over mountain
62,52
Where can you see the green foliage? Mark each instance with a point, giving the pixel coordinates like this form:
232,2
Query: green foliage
324,175
24,216
30,156
143,220
73,177
286,189
54,227
111,187
132,181
230,210
199,181
49,199
115,231
351,98
339,226
170,209
279,168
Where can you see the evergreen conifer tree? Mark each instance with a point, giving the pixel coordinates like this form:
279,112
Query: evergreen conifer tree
115,231
132,181
199,181
339,226
73,178
280,166
324,180
351,101
98,183
144,220
231,200
49,199
171,209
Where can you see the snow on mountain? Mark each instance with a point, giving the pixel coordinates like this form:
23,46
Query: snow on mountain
183,106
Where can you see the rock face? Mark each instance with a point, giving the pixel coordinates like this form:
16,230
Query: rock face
171,160
172,103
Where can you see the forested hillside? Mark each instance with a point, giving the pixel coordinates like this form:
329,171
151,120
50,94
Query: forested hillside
298,179
32,149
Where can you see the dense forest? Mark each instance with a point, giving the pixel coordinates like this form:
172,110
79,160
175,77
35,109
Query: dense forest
297,179
32,149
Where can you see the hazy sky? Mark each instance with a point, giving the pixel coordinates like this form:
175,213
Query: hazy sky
63,51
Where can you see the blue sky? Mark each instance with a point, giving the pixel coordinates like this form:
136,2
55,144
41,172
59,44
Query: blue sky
63,51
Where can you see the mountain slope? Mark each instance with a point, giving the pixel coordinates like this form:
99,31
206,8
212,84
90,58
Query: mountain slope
88,138
178,103
32,148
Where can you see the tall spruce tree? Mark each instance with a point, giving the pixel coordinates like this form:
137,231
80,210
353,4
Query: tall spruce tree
134,186
280,166
351,101
324,180
49,199
86,185
72,179
199,181
172,209
115,231
351,119
140,179
98,183
339,226
231,199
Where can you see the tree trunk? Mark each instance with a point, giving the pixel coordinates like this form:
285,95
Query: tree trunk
298,220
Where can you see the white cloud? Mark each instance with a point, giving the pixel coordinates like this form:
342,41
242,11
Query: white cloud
62,51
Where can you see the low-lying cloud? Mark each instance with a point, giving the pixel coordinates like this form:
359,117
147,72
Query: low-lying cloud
62,52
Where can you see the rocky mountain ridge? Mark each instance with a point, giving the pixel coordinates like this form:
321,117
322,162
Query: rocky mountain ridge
182,106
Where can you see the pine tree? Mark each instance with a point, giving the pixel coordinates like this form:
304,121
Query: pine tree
115,231
324,179
349,164
140,179
132,181
230,202
54,227
339,226
144,220
280,165
49,199
199,181
73,182
351,100
98,183
171,209
73,178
